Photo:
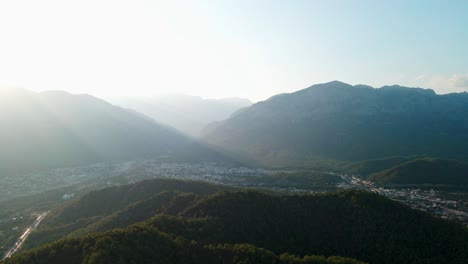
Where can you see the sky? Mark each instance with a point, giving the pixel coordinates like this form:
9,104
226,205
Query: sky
227,48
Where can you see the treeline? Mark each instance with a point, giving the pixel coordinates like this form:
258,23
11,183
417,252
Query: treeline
148,245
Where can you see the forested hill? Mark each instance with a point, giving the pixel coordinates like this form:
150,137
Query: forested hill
148,245
338,121
425,171
352,224
58,129
118,207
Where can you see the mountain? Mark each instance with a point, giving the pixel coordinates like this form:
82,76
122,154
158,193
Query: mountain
189,114
338,121
58,129
425,171
353,224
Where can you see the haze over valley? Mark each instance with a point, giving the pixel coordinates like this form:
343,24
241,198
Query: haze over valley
233,132
188,114
61,146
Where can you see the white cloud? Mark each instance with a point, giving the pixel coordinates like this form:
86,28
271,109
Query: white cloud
443,84
459,80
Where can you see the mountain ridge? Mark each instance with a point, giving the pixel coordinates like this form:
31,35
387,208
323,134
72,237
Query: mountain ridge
338,121
57,129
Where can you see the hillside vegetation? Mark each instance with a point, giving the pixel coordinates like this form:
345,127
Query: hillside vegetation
119,206
352,224
425,171
148,245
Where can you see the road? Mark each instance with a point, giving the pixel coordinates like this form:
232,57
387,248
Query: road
19,243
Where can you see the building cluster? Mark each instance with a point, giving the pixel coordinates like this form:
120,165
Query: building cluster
429,200
103,174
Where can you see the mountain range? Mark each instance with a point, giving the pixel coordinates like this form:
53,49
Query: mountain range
57,129
338,121
383,134
188,114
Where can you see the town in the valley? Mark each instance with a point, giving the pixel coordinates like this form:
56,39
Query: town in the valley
450,205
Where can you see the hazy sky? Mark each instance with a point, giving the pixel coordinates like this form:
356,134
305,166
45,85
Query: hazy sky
247,48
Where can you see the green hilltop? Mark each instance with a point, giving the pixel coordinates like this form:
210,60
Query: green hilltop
187,220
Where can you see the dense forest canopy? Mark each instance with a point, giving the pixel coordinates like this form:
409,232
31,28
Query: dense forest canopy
351,224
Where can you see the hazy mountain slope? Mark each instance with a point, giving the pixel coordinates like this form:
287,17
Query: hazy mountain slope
425,171
343,122
189,114
57,129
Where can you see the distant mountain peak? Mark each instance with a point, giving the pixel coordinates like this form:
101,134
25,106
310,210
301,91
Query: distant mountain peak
334,84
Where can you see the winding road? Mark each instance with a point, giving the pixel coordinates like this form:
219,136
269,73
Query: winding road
19,243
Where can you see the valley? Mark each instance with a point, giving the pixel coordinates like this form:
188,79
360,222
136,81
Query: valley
76,179
233,132
72,183
94,167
